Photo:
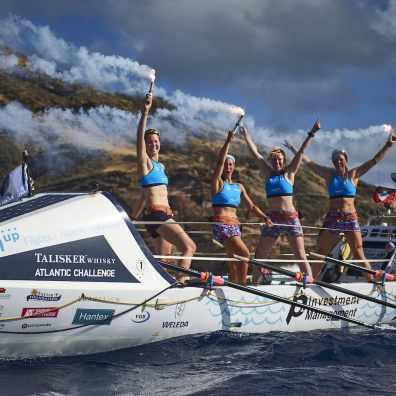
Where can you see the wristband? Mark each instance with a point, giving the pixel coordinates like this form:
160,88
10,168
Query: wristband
312,134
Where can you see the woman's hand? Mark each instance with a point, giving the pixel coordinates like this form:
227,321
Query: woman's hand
147,103
242,130
230,136
267,221
391,140
316,126
289,144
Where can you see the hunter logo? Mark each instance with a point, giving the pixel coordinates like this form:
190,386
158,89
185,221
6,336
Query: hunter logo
40,296
93,316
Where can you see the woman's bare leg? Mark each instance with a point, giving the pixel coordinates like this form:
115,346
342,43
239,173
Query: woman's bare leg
298,248
354,239
238,269
263,249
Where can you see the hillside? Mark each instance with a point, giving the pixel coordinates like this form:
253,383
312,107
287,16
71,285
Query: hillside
188,167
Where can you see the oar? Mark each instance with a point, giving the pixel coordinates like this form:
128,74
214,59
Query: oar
218,281
376,273
298,277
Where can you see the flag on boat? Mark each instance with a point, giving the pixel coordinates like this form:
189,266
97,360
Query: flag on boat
15,186
385,195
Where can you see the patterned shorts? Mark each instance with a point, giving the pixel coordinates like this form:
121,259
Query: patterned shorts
292,224
341,221
223,232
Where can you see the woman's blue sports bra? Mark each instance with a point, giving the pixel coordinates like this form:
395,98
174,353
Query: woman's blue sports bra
228,196
278,186
338,189
156,177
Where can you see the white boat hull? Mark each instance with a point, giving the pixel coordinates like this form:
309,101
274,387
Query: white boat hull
174,313
76,278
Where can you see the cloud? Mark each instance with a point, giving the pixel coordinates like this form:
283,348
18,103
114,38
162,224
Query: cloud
199,116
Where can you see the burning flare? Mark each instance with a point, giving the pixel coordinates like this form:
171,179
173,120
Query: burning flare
240,112
152,79
387,128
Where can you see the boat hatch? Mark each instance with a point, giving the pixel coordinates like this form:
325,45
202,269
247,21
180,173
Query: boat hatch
39,202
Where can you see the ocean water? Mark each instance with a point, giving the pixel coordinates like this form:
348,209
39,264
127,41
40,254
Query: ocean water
335,362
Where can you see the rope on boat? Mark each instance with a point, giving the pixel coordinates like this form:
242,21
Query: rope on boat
261,224
98,322
43,312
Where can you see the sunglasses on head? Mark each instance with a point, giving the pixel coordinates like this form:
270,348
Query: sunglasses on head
152,131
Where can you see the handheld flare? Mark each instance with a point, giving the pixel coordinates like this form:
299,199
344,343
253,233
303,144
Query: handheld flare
389,129
152,79
238,123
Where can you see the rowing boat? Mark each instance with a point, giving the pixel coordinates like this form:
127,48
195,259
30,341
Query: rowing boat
77,278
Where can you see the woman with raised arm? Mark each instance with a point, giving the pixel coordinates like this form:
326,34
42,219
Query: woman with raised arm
279,180
154,181
342,216
226,197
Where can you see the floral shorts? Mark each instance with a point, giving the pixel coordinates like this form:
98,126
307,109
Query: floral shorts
223,232
341,221
287,217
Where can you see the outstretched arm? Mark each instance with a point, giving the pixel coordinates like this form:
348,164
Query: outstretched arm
252,207
217,183
292,168
142,157
359,171
322,171
265,169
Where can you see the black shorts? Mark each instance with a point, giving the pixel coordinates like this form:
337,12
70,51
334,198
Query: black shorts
158,215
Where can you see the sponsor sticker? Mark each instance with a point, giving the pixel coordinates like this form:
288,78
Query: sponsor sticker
41,296
174,325
41,312
35,325
93,316
141,317
180,307
8,236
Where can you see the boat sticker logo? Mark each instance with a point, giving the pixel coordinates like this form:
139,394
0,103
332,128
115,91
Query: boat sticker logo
141,317
319,302
141,266
37,312
8,236
180,307
40,296
93,316
173,325
27,325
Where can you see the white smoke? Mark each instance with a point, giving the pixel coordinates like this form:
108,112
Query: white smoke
104,127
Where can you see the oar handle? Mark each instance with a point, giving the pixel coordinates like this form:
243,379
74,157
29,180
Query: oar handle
298,276
376,273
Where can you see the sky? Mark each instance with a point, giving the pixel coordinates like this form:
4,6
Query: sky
285,62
